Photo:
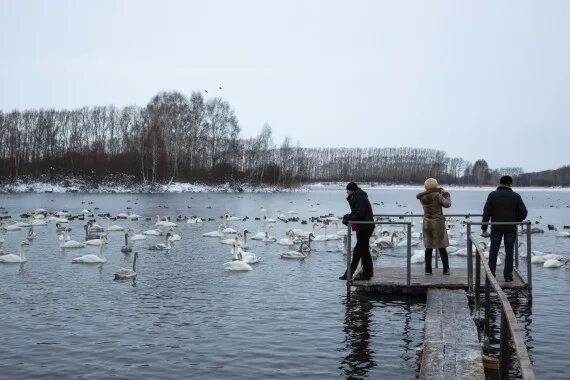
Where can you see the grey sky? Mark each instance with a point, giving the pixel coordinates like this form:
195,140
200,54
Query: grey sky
477,79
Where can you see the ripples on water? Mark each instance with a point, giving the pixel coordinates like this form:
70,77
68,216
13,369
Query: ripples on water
185,316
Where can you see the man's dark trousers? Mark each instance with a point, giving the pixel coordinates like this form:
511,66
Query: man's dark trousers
510,237
362,251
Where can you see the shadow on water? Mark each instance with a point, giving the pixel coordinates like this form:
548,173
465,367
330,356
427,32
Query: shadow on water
363,316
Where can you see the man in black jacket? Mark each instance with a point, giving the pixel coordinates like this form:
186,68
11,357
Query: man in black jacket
503,205
360,210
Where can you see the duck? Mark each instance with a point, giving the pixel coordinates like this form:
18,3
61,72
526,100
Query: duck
126,274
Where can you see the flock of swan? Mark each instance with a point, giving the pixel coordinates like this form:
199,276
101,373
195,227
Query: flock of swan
299,242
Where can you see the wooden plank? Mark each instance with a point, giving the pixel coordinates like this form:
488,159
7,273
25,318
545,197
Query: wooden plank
451,345
393,280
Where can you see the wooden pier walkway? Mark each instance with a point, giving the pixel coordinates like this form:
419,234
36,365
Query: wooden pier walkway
451,347
393,280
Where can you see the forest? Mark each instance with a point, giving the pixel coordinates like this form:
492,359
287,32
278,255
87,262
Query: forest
193,139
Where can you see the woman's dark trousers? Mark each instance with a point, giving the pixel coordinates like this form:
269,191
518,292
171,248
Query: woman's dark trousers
444,259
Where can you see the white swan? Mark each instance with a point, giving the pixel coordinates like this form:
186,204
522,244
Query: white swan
91,259
237,265
174,236
553,263
155,232
419,256
68,243
14,259
115,228
124,273
136,237
194,220
162,246
240,254
217,233
97,242
288,240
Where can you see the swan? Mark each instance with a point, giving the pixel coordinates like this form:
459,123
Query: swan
31,234
91,259
237,265
336,235
115,228
14,259
124,273
38,222
68,243
126,248
563,234
232,218
240,254
194,220
136,237
162,246
388,241
174,236
12,227
537,259
553,263
288,240
155,232
164,223
217,233
260,235
267,238
299,254
419,256
97,242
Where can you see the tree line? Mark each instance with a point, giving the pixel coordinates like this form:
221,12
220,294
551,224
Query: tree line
193,139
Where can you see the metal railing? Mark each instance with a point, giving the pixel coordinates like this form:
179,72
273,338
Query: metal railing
408,225
403,216
509,326
476,288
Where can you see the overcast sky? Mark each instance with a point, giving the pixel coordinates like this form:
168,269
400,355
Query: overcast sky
477,79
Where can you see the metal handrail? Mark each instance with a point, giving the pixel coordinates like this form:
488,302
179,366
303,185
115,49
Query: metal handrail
508,321
528,225
421,215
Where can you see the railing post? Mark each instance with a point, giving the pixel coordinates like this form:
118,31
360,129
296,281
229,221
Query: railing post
469,259
348,259
436,257
504,348
487,305
409,258
528,262
517,250
477,280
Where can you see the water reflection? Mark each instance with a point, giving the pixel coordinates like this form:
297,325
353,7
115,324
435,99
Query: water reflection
357,324
522,309
405,314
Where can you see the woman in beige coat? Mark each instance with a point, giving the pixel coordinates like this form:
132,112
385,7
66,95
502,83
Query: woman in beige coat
434,232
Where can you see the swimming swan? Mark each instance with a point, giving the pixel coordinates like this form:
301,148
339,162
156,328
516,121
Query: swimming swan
124,273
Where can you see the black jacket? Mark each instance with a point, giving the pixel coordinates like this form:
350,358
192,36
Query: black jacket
504,205
360,209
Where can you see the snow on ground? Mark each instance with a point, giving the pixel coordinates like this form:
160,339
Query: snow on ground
72,186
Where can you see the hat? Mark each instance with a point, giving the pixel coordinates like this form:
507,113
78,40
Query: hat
430,184
352,186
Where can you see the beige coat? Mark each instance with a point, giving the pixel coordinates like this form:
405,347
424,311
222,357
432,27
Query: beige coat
434,232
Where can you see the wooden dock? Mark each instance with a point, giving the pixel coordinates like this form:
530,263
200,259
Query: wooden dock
451,347
393,280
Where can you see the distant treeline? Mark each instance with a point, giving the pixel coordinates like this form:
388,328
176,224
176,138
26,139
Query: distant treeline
197,140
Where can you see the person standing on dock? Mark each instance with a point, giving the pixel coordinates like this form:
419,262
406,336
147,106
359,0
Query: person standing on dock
433,228
360,211
503,205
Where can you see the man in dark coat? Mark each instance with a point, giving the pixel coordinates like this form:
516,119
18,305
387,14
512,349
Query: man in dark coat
361,211
503,205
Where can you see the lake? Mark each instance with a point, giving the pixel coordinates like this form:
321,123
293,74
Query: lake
186,317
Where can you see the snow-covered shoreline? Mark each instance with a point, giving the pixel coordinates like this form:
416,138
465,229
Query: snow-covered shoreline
74,186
